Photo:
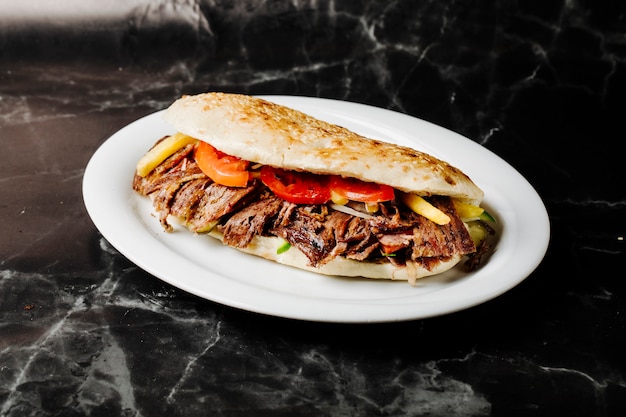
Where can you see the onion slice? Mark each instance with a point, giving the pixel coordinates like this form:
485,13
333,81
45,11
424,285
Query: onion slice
350,211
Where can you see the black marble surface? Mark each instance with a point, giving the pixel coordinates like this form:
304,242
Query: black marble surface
84,332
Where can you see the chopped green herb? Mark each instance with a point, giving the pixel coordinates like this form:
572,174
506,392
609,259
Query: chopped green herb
283,248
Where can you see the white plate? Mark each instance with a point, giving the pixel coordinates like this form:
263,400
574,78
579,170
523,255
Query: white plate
203,266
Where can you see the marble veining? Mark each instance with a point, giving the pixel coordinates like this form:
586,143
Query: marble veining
85,332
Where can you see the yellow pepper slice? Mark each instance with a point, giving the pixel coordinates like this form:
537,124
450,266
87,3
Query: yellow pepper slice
467,211
161,151
424,208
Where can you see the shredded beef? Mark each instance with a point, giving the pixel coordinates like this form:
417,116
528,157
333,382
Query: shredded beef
308,233
391,219
432,240
397,234
188,197
394,241
360,241
178,167
285,214
169,186
178,187
218,201
425,239
252,220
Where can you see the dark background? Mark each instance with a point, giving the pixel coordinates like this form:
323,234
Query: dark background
85,332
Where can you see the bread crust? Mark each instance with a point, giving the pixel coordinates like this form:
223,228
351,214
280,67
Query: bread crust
258,130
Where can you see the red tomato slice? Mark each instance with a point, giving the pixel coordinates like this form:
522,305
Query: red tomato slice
222,168
296,187
357,190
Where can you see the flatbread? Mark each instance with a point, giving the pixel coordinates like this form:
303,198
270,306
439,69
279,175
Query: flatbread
260,131
267,247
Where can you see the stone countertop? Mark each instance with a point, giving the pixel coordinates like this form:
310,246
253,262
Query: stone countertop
85,332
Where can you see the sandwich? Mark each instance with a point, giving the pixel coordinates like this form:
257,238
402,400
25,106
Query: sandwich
277,183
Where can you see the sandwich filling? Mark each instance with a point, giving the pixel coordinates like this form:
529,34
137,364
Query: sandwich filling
325,220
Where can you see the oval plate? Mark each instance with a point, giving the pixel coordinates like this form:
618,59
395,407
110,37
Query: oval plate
203,266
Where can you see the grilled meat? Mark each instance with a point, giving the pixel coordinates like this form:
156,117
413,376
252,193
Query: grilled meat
395,234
